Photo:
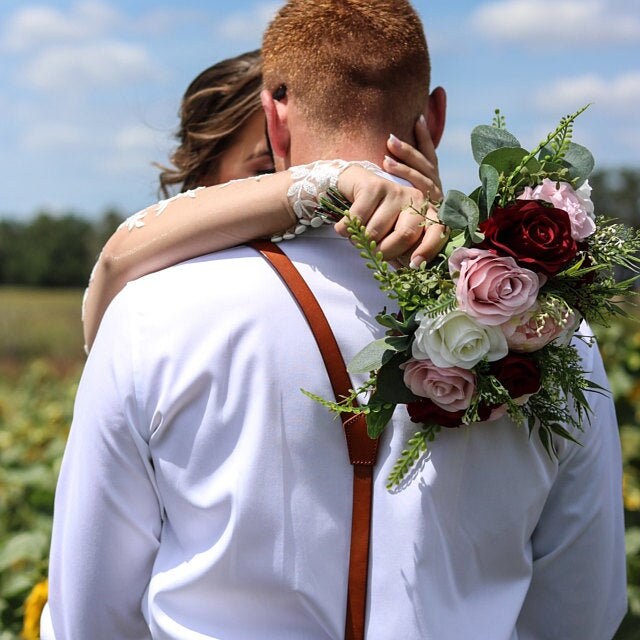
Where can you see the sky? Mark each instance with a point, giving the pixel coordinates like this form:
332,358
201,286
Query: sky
89,90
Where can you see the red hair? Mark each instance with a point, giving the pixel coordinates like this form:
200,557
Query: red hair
350,62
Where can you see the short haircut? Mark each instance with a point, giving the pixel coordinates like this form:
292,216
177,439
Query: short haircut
350,62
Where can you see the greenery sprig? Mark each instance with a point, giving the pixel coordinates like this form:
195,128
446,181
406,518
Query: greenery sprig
584,285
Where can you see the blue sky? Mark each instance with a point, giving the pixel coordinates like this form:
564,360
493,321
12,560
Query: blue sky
89,90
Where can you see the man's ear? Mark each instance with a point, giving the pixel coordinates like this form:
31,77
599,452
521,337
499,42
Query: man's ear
436,114
276,112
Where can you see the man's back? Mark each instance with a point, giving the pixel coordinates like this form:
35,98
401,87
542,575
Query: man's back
222,494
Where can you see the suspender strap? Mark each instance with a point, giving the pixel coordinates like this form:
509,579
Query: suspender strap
362,449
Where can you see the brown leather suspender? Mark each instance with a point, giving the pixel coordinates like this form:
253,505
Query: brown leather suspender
362,449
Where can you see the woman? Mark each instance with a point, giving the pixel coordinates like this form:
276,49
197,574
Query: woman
220,106
222,138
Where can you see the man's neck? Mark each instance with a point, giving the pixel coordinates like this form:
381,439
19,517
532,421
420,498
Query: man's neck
308,146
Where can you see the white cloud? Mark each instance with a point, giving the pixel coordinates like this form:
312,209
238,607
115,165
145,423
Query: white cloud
620,94
248,25
136,138
559,22
35,26
78,66
54,136
132,149
162,20
457,140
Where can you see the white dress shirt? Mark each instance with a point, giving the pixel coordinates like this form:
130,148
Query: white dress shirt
202,495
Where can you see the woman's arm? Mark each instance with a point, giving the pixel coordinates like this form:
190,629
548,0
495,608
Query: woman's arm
195,223
214,218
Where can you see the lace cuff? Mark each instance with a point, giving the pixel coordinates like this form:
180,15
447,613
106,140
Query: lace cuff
311,182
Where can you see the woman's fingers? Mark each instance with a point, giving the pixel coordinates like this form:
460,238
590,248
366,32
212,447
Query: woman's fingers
434,238
393,216
416,178
418,165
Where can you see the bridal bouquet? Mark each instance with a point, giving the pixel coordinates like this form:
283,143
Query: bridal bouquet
485,330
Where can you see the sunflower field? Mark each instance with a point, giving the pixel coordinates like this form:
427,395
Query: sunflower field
40,364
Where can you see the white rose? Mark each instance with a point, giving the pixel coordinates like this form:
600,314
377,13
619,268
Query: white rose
457,340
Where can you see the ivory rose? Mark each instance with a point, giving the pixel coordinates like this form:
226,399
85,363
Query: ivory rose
490,288
576,203
451,388
456,339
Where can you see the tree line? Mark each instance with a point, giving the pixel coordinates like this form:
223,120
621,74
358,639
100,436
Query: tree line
60,251
53,251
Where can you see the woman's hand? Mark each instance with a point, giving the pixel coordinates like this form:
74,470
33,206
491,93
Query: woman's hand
391,213
418,165
389,210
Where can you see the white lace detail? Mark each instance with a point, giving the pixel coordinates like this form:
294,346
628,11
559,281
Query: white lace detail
311,182
257,178
136,221
163,204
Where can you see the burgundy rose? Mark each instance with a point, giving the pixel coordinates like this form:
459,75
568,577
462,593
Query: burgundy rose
538,237
518,373
427,412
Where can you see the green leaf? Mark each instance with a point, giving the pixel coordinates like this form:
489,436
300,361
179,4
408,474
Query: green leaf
577,160
563,433
391,387
459,211
377,353
378,418
455,241
506,161
580,162
391,321
490,179
25,546
485,139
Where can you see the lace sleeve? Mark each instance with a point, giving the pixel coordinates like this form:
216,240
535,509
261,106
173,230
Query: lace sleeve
310,183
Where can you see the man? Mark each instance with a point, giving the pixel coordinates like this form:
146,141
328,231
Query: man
203,495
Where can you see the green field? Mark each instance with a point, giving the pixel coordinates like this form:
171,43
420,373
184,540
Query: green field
38,323
41,357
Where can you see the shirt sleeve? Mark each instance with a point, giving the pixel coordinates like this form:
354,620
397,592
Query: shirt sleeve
578,588
107,516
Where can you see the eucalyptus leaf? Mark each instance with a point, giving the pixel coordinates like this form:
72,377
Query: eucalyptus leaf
476,194
506,160
490,179
377,353
577,160
580,162
485,139
391,387
459,211
378,418
455,241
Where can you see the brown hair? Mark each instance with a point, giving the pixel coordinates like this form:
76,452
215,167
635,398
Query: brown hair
350,62
215,106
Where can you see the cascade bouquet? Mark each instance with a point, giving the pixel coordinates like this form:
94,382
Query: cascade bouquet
485,330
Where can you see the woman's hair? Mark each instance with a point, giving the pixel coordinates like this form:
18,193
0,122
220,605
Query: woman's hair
215,106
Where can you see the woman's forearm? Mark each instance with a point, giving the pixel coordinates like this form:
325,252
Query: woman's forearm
215,218
193,224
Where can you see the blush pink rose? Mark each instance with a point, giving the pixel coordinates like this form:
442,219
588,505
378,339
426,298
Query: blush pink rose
576,203
492,289
534,330
449,388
